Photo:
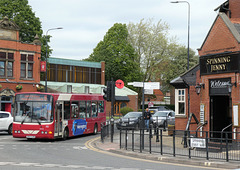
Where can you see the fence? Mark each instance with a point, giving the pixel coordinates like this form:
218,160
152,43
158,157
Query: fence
200,144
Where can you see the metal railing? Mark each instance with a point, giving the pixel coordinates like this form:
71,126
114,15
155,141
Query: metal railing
199,143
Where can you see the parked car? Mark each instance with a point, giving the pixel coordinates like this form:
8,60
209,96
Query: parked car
163,118
6,121
130,121
154,109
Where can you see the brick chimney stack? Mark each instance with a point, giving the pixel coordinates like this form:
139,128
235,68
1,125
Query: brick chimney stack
234,6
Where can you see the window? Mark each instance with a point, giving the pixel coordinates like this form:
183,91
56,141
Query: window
75,109
6,64
82,109
180,101
89,109
66,110
26,66
94,109
100,106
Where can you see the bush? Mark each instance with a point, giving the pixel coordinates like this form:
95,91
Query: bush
125,110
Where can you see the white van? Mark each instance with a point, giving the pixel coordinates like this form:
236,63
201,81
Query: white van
6,121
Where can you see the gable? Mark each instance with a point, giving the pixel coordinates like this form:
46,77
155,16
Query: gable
223,36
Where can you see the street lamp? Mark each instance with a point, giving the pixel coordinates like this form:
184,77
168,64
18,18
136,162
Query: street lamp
46,55
188,25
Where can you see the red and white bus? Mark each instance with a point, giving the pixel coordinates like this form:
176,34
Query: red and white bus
54,115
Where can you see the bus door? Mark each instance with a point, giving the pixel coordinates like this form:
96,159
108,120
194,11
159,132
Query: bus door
58,119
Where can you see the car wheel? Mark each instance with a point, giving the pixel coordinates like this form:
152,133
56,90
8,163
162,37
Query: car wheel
10,129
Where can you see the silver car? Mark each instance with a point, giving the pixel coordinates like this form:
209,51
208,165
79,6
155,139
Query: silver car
163,118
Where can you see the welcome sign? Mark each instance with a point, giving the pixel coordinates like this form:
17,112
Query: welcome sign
219,86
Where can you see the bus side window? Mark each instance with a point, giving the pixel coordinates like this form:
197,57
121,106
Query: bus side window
66,110
75,110
100,106
82,109
88,109
94,109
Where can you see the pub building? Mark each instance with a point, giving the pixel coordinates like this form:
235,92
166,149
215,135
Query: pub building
207,97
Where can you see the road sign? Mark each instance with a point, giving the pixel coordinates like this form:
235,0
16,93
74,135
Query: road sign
119,84
147,85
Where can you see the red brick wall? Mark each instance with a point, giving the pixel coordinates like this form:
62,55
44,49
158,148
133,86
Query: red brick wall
17,47
234,6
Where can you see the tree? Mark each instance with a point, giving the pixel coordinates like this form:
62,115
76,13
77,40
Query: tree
118,54
176,65
21,13
152,45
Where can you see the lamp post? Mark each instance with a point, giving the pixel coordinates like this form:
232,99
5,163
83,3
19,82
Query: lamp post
188,25
47,57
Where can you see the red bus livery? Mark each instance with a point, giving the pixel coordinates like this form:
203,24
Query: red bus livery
54,115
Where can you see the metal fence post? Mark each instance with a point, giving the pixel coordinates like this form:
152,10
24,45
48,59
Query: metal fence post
174,144
133,140
227,158
141,141
207,150
189,147
161,147
120,138
150,140
126,138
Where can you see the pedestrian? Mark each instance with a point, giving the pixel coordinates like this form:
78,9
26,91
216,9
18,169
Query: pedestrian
147,117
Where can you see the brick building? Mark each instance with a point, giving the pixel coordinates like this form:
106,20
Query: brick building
213,92
19,64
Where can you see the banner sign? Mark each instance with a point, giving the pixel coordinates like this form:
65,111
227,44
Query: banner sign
43,66
221,63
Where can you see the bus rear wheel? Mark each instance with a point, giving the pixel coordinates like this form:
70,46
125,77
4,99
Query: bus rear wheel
95,130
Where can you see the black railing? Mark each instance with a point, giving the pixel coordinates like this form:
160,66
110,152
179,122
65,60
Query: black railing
202,146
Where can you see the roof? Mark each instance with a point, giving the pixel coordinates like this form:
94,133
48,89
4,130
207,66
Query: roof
80,88
72,62
186,79
234,28
5,23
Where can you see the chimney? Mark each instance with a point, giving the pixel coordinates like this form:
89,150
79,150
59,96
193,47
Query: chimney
234,6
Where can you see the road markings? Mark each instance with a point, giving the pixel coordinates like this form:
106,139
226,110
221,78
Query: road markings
89,144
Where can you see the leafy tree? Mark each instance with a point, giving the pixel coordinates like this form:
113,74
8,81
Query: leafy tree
21,13
176,65
152,45
118,54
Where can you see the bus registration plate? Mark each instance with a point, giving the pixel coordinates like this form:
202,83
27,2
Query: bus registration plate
30,137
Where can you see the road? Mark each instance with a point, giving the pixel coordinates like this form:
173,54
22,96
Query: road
22,154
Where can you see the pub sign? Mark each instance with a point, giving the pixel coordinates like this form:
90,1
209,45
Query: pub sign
219,63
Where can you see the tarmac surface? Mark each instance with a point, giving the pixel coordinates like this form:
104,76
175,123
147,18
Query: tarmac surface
114,147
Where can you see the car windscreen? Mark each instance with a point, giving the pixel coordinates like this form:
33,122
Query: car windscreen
161,114
132,114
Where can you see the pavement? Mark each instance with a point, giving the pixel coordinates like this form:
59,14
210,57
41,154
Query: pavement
114,147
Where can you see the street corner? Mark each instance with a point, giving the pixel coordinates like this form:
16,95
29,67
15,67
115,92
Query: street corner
107,146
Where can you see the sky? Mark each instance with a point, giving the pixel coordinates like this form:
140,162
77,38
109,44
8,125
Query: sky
85,22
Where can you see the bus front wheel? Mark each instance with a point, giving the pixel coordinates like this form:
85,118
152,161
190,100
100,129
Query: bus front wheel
65,134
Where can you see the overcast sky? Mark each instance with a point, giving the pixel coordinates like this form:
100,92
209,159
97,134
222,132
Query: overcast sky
85,22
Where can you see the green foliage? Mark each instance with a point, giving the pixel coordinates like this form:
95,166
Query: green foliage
118,54
125,110
20,12
176,65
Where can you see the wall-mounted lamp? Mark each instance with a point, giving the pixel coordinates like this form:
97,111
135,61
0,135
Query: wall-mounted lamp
198,88
230,86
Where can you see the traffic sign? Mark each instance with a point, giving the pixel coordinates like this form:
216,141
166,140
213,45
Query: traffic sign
147,85
119,84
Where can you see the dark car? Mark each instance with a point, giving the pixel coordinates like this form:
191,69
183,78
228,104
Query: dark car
163,118
154,109
129,121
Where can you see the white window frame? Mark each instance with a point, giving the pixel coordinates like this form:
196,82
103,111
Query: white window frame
180,99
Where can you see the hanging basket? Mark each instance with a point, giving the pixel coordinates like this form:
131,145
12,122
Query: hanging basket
19,87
